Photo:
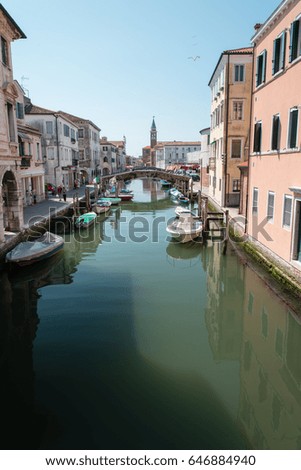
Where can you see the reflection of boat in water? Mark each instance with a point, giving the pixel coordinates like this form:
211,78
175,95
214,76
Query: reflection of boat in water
182,251
185,228
48,272
30,252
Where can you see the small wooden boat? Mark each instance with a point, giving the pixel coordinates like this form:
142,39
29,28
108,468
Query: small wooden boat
165,184
185,229
174,192
125,191
179,210
183,199
85,220
112,200
101,207
30,252
126,196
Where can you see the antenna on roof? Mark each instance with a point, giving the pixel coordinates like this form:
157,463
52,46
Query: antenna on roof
26,91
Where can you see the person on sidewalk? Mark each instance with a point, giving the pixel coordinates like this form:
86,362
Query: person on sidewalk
59,190
64,193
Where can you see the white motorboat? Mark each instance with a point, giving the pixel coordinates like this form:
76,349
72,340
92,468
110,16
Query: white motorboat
185,228
30,252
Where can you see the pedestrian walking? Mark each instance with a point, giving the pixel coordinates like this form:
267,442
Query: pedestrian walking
59,190
64,193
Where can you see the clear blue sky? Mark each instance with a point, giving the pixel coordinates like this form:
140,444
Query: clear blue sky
119,62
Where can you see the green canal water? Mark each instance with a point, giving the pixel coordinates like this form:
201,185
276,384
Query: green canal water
129,341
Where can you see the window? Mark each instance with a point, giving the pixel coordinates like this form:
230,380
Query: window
276,132
264,323
255,201
292,129
11,122
80,133
239,73
270,208
287,211
50,153
4,51
250,302
294,40
49,127
261,68
257,137
237,110
66,130
38,151
236,148
19,110
279,53
235,185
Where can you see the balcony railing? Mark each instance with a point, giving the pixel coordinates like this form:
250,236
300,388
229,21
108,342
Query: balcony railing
25,162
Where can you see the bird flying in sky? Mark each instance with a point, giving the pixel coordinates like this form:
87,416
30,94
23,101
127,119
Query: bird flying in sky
194,58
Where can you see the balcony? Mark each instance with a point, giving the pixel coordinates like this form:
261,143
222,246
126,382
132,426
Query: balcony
25,162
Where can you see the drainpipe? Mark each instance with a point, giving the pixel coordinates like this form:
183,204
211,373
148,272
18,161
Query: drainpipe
57,148
226,143
250,124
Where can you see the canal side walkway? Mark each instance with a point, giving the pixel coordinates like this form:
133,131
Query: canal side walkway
41,213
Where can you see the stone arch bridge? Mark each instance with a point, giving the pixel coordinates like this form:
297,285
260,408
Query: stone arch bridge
181,182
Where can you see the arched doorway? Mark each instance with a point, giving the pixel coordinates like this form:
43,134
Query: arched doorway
12,217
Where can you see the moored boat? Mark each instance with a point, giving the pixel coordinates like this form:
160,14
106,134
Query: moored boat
85,220
165,184
29,252
101,207
185,229
183,199
179,210
112,200
126,196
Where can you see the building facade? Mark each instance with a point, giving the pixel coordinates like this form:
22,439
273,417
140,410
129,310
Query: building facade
11,197
274,192
231,85
30,150
174,153
89,164
59,144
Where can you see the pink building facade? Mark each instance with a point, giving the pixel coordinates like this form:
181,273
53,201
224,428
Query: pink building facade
274,191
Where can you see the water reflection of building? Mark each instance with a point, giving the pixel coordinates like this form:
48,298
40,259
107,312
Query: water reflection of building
19,294
18,327
270,396
151,187
225,280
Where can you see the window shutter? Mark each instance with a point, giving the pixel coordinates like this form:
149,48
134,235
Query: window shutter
264,60
275,135
257,70
294,34
293,128
282,52
274,56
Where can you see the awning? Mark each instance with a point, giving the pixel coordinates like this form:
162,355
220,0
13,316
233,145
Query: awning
24,137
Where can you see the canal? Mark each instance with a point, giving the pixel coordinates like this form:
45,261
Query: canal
129,341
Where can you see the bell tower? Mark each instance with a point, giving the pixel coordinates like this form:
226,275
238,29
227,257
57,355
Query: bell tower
153,134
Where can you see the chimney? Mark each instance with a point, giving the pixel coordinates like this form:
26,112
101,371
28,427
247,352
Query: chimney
257,26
